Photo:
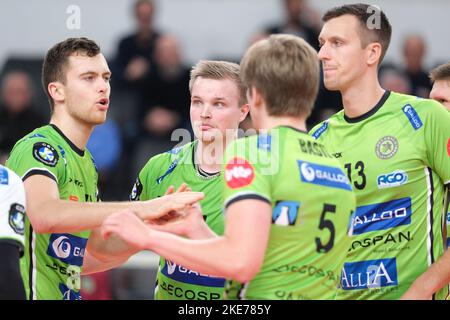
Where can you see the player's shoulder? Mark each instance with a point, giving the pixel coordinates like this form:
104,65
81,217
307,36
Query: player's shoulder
319,129
416,110
37,138
176,155
40,148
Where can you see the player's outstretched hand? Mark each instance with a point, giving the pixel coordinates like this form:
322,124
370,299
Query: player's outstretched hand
126,225
170,204
188,224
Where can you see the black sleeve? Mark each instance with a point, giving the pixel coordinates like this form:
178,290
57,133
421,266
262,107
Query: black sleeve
11,285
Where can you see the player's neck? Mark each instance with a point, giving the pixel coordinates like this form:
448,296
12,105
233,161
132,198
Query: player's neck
361,97
78,133
271,122
209,155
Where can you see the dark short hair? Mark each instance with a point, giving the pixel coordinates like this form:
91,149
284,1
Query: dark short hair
441,72
362,12
57,58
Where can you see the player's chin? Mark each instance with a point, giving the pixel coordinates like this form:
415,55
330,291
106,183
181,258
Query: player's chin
97,120
330,85
206,137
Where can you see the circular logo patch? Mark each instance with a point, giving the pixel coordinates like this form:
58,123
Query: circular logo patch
386,147
238,173
17,218
45,153
137,190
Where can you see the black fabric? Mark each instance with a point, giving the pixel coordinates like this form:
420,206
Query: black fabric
246,197
11,285
71,144
41,172
371,112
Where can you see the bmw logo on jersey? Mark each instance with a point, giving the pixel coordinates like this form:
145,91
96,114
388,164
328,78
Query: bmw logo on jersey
45,153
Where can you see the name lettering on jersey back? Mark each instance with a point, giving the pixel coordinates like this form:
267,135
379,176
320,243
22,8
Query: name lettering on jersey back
369,274
381,216
185,275
313,148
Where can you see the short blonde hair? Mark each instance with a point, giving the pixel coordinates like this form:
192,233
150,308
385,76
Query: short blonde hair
219,70
285,70
441,72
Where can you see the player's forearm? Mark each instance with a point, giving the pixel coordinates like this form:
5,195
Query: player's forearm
216,256
437,276
94,264
59,216
110,249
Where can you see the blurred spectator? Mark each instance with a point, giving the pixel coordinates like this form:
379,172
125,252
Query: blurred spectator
166,99
17,115
414,50
300,20
440,76
395,80
135,53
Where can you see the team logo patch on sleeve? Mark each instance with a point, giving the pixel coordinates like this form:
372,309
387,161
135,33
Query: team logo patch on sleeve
239,173
45,153
137,190
17,218
413,117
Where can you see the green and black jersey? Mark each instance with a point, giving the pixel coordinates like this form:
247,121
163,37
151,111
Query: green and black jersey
172,168
52,263
397,157
311,200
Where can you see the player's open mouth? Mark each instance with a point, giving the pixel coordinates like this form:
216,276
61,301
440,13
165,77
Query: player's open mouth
103,103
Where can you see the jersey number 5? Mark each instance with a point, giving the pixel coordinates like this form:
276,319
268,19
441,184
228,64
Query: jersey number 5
326,224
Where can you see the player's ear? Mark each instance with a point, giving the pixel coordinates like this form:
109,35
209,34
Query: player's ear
56,91
245,108
373,53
